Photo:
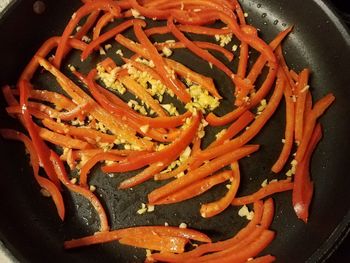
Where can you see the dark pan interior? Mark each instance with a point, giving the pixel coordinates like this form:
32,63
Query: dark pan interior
29,226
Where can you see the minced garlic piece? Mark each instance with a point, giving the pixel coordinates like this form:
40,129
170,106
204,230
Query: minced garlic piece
244,212
150,208
108,46
73,180
234,47
92,188
264,183
142,210
170,108
86,39
262,106
201,99
183,225
223,39
220,134
45,193
120,52
144,128
102,51
167,51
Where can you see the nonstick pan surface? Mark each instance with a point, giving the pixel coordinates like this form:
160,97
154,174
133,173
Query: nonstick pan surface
29,226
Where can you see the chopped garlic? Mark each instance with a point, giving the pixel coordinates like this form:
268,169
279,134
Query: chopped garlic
142,210
108,46
102,51
144,128
86,39
244,212
150,208
166,224
44,192
220,134
234,47
73,180
167,51
223,39
92,188
264,183
183,225
201,99
120,52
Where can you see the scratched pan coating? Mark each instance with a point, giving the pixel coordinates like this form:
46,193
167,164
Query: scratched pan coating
33,232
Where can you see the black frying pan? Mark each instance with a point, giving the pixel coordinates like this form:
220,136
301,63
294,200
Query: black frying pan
29,226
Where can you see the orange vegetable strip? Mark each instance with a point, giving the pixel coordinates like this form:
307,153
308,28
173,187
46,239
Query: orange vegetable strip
85,169
41,148
155,242
112,123
106,36
149,12
172,82
234,128
172,151
285,68
164,176
244,51
62,140
55,98
289,130
114,104
240,252
294,75
34,161
139,91
308,107
216,207
145,175
201,172
185,72
252,76
205,45
217,246
195,189
253,130
269,211
270,189
62,175
142,67
43,51
102,22
303,186
105,5
10,99
53,113
104,237
320,107
301,93
89,23
263,259
204,54
32,111
202,30
80,132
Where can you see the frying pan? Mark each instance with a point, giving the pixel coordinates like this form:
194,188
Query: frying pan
29,226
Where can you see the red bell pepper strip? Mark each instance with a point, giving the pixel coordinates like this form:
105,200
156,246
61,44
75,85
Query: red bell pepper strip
171,152
320,107
201,172
108,35
41,148
105,5
62,175
195,189
104,237
170,79
216,207
270,189
34,160
303,186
